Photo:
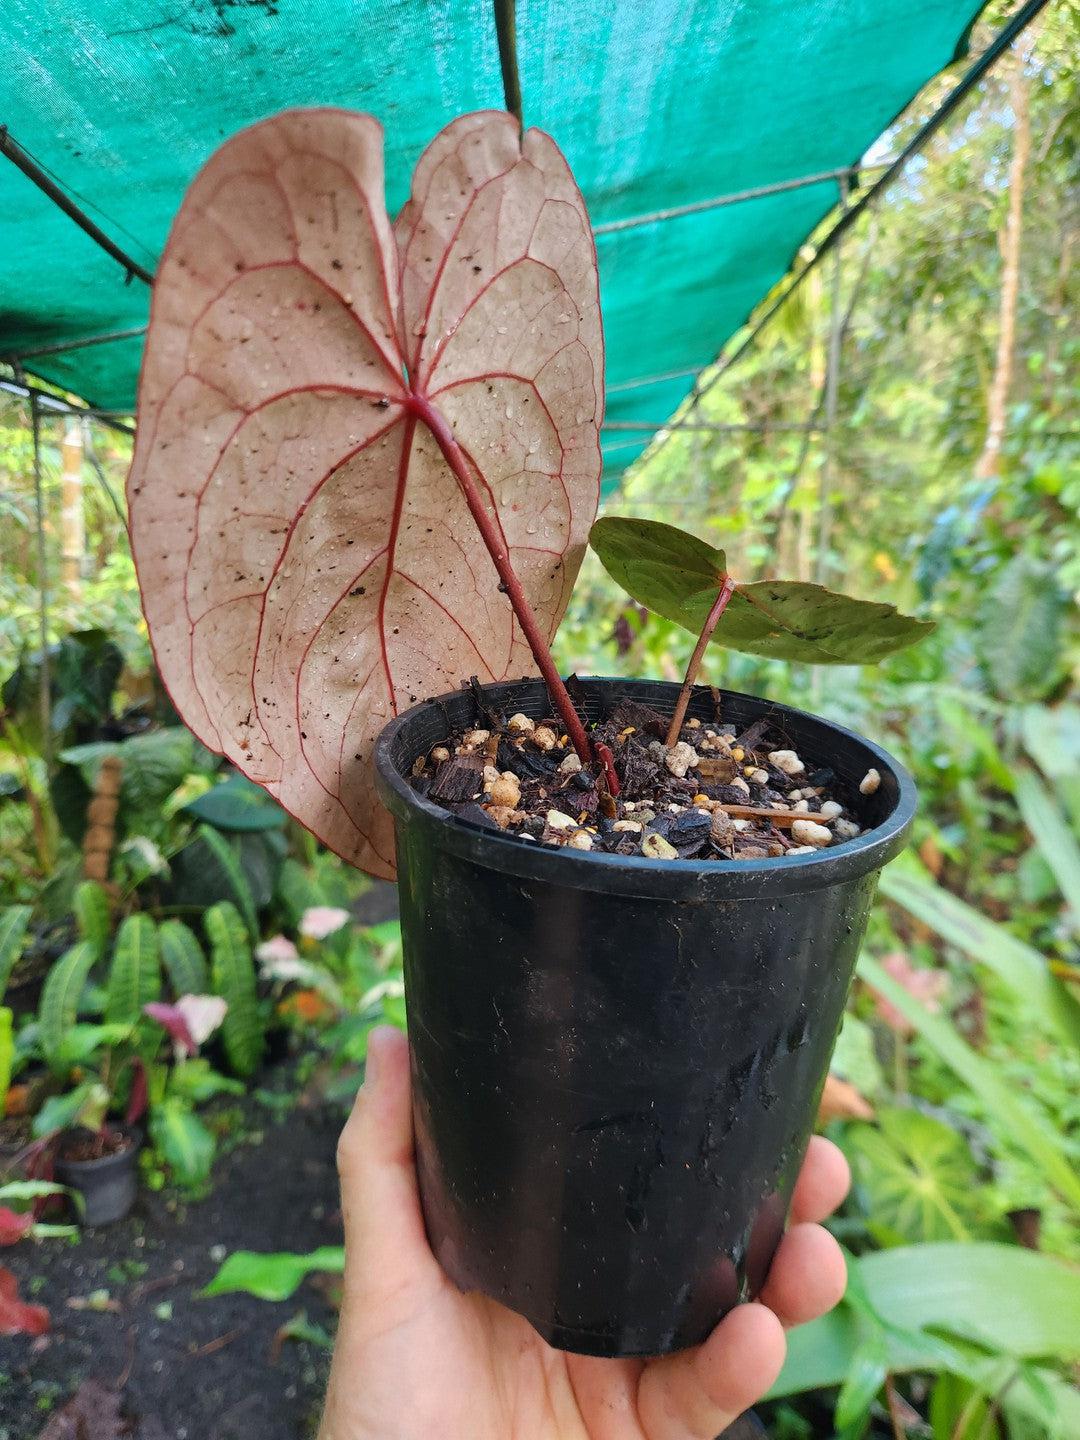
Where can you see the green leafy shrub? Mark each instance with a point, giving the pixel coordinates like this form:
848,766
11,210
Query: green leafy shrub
233,970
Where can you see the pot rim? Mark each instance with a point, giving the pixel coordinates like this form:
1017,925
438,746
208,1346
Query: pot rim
702,881
105,1162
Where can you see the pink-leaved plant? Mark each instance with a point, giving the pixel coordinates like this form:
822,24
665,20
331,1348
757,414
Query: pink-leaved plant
368,453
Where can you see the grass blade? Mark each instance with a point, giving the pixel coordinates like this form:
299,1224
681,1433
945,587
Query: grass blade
1025,1128
1017,965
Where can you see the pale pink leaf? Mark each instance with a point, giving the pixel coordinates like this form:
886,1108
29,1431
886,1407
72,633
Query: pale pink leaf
307,562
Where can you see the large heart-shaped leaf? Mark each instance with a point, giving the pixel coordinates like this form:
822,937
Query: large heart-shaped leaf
679,577
308,564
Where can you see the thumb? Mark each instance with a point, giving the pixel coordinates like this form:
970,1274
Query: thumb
386,1249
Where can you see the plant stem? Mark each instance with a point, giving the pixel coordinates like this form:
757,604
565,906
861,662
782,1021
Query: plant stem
727,589
454,457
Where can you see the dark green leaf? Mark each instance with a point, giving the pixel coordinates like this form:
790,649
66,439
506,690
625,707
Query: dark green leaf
14,920
92,915
135,972
1052,833
1017,1304
81,1041
234,981
184,1141
183,958
153,764
1017,965
237,804
1052,738
918,1178
260,862
679,577
1024,1126
865,1377
197,1081
1019,634
661,567
85,1105
301,1328
789,620
208,871
60,997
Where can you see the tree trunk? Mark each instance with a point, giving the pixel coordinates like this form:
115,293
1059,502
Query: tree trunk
988,465
818,375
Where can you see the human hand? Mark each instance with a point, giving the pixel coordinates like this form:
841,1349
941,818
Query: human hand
415,1358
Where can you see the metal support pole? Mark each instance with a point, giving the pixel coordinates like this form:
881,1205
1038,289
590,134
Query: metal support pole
832,385
45,668
25,162
72,525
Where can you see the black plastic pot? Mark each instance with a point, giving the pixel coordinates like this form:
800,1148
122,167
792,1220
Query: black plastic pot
108,1186
617,1062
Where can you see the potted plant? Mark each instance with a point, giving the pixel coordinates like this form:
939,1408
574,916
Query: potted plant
367,466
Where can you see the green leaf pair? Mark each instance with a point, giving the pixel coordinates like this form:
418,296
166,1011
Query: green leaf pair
679,577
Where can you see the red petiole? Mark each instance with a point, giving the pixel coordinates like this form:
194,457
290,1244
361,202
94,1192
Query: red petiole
720,604
424,410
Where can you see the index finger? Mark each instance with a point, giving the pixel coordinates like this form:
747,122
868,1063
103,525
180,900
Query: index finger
823,1182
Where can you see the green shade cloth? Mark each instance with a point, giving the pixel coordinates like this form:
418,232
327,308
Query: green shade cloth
656,103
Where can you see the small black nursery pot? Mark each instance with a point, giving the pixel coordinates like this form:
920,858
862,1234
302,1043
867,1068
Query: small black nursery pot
107,1184
617,1062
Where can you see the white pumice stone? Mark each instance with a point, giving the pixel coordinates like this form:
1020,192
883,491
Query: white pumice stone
580,840
758,777
491,774
845,829
556,820
870,782
627,827
740,824
475,737
801,805
794,795
693,724
809,832
786,760
571,765
439,754
657,848
831,809
506,790
630,805
740,784
521,724
802,850
680,758
545,739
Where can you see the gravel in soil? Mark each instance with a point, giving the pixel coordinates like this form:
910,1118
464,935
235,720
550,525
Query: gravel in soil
125,1306
715,794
